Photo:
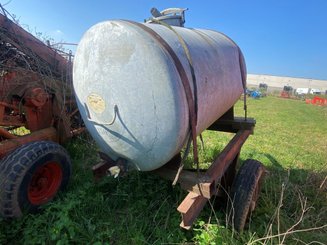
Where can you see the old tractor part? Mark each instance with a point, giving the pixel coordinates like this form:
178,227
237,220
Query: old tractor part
9,145
35,84
36,99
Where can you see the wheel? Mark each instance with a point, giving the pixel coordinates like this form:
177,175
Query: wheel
245,192
31,176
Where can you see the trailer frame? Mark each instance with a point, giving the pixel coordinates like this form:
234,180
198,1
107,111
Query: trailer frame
206,183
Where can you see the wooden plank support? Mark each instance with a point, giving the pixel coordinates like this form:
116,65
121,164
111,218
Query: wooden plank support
234,125
189,180
226,157
190,209
203,185
194,202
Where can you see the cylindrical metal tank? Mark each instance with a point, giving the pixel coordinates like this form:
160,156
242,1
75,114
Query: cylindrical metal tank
130,94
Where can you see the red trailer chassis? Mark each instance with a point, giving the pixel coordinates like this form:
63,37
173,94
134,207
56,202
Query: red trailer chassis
240,191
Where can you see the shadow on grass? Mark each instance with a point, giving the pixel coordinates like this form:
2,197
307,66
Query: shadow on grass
287,193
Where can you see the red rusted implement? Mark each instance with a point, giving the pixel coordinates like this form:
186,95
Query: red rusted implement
8,146
35,85
317,101
35,93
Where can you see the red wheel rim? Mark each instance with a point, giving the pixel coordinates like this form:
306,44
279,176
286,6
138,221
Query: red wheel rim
45,183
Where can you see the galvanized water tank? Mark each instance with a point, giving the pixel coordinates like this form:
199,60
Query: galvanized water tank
130,94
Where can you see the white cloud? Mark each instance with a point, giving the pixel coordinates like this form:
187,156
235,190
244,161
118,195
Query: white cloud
59,32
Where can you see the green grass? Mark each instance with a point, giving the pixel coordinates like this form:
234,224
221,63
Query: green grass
290,139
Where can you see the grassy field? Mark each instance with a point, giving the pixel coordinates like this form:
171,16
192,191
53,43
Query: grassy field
290,140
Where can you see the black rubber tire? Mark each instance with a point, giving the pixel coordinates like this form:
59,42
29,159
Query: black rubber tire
244,192
17,169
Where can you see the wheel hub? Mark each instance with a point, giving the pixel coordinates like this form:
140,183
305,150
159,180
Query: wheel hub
45,183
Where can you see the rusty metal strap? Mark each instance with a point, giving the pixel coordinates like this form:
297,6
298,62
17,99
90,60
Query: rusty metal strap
186,84
243,76
242,70
190,62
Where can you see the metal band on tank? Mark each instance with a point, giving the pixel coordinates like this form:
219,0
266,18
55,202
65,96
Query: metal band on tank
190,62
242,70
208,39
186,84
179,67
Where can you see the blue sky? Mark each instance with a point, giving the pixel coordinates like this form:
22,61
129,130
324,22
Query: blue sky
277,37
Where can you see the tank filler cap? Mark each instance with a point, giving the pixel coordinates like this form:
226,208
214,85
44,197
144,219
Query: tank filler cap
170,16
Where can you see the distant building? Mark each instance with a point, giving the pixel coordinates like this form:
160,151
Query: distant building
278,83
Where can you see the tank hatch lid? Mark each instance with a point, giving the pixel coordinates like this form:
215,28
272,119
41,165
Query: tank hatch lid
170,16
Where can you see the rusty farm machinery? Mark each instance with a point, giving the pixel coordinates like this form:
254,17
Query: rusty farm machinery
36,95
191,84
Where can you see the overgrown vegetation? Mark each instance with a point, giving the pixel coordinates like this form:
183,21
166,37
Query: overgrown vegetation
290,140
